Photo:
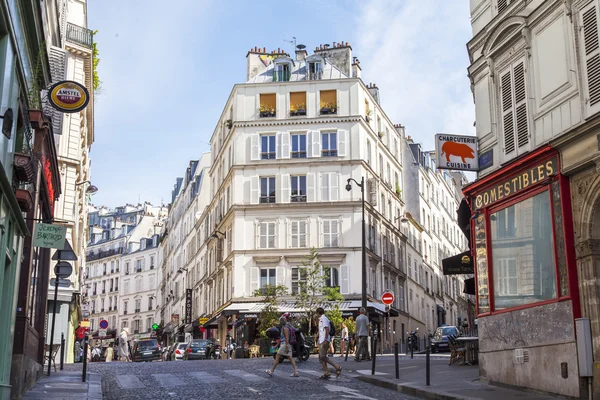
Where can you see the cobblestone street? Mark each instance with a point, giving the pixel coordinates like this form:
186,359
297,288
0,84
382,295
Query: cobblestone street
232,379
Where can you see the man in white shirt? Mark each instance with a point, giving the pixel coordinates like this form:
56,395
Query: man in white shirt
324,326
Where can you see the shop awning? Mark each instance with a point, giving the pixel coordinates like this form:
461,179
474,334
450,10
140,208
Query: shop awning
459,264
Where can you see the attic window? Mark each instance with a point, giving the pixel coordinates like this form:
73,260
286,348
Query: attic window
281,73
315,70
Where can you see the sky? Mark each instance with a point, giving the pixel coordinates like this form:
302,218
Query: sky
167,72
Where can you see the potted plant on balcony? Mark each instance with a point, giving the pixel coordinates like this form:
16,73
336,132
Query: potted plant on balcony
398,190
368,114
34,93
229,124
298,109
266,111
380,134
328,108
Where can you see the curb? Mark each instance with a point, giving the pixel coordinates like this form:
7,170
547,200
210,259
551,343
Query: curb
411,390
94,386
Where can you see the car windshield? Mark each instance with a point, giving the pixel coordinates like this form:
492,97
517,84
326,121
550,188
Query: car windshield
199,343
450,330
147,344
181,345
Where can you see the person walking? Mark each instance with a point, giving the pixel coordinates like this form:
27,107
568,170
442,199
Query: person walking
285,349
124,345
109,353
362,334
324,327
344,342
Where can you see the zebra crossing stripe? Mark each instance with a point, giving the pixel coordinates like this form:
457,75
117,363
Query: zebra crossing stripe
244,375
167,380
129,382
205,377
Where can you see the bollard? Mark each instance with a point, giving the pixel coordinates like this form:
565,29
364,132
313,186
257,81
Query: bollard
396,360
347,349
411,345
373,353
85,349
62,350
427,366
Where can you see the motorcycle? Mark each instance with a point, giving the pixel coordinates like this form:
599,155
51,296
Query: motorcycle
413,341
213,350
300,345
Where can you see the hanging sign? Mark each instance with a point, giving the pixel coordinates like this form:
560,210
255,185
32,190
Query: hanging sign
68,96
188,306
49,236
456,152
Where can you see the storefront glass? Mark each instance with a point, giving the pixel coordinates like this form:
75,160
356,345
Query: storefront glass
523,265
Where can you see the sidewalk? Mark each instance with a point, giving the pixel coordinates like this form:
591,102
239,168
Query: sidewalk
67,385
457,381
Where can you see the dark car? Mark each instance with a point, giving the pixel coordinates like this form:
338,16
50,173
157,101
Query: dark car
146,350
439,341
196,350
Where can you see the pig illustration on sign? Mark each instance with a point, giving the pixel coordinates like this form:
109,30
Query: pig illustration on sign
457,149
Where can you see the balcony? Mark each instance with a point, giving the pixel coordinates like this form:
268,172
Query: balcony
80,35
103,291
124,312
102,310
116,288
298,199
102,254
94,293
137,310
152,267
104,273
139,269
267,199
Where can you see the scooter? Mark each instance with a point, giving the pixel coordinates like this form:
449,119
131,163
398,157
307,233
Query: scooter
413,341
213,350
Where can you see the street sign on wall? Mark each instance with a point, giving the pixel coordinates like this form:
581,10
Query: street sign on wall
49,236
456,152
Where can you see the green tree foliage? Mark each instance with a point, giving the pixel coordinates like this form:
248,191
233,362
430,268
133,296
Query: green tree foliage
351,325
270,314
334,298
37,80
97,83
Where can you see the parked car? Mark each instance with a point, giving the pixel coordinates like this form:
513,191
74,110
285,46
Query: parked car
439,341
145,350
196,350
179,351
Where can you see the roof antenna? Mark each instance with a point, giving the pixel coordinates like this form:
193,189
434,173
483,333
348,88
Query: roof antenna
291,41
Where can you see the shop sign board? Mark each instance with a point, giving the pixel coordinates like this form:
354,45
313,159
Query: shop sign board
456,152
49,236
68,96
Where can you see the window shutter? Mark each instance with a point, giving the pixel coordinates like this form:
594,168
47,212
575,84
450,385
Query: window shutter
278,145
254,193
310,188
254,147
502,4
321,233
324,186
592,57
335,233
285,188
344,284
334,186
327,233
521,105
309,144
253,279
342,140
271,235
316,144
507,113
278,189
262,235
280,276
302,233
294,233
285,145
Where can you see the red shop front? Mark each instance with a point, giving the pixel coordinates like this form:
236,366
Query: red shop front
526,275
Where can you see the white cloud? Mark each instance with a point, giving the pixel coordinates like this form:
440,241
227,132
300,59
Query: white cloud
415,51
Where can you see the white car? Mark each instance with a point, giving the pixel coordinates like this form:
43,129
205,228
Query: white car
179,351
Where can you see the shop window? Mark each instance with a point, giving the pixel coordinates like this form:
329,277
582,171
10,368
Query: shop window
328,102
523,265
297,103
268,105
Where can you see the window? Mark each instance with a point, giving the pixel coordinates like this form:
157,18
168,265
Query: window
148,324
267,277
125,307
138,266
514,108
368,152
505,222
329,186
138,285
149,303
298,145
524,270
297,103
136,326
126,291
330,233
315,70
328,102
268,105
138,305
298,233
298,188
332,277
281,73
127,268
267,147
266,235
151,262
329,144
267,190
590,48
298,276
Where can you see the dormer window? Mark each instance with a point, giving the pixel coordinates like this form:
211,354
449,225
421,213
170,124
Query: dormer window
281,73
315,70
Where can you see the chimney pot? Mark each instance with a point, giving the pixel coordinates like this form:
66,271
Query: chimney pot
278,50
264,49
334,44
347,44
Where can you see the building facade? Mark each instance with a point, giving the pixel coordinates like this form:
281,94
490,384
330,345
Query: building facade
533,76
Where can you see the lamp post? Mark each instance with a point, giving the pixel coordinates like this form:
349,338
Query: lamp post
361,185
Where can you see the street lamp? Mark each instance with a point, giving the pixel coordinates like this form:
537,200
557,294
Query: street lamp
361,185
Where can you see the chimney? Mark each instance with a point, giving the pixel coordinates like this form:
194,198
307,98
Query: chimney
301,52
356,69
255,65
339,55
374,90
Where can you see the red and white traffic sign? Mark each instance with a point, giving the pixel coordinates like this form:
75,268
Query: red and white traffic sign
387,298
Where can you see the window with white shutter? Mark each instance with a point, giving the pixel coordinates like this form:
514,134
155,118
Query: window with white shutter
298,233
513,96
330,186
266,235
330,233
503,5
591,51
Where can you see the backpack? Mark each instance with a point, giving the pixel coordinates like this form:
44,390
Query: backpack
331,329
292,333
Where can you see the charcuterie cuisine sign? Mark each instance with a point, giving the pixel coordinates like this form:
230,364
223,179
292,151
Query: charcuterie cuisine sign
456,152
68,96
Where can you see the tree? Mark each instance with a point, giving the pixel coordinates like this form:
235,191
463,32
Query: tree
269,315
334,298
313,290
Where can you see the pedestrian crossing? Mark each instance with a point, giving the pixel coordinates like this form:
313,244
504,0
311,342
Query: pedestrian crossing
172,380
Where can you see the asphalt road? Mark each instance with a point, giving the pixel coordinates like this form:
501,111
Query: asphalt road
232,379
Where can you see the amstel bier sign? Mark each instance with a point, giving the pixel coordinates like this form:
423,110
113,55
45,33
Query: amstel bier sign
68,96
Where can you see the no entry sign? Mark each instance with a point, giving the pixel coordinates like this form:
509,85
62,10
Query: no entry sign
387,298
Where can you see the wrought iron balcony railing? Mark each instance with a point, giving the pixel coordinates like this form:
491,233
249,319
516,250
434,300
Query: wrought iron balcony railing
80,35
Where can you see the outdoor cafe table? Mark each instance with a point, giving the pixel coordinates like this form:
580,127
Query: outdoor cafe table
471,344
